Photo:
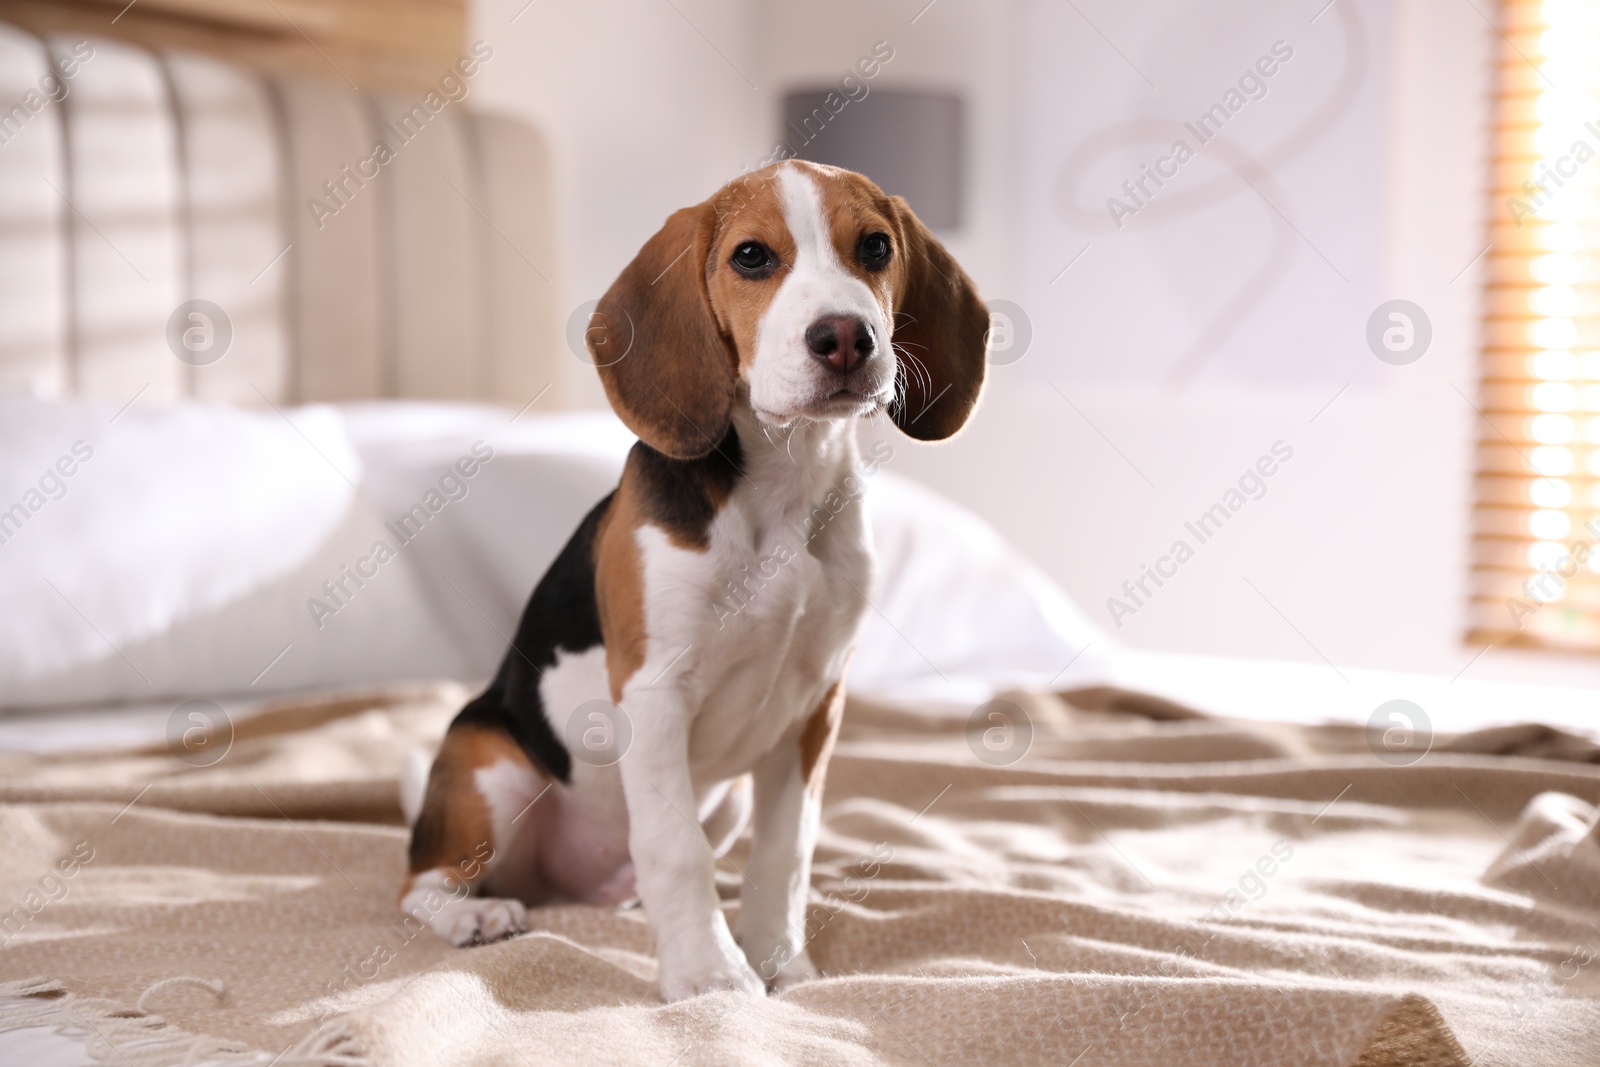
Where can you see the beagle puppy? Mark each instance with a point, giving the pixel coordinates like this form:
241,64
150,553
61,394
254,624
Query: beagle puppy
741,345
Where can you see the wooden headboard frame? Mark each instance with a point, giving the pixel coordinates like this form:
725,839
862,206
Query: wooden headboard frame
376,44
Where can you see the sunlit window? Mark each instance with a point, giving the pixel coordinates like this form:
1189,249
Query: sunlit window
1538,485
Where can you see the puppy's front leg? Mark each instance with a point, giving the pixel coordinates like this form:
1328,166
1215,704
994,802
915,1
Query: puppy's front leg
672,859
788,790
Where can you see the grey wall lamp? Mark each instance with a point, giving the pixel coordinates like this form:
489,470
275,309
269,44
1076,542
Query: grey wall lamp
909,141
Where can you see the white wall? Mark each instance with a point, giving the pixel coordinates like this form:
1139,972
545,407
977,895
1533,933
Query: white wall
643,115
1358,550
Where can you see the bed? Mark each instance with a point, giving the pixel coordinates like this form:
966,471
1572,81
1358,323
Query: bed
1141,882
1038,846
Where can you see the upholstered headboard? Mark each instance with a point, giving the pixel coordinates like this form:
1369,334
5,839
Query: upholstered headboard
358,245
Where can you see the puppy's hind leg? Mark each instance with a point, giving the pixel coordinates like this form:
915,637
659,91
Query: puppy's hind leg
477,831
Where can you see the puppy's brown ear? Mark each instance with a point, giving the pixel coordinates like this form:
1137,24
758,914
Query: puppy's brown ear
940,333
665,367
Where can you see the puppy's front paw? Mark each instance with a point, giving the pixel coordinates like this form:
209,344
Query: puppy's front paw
682,982
800,969
479,920
777,964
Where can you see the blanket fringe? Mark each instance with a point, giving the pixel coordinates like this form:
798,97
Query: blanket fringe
113,1033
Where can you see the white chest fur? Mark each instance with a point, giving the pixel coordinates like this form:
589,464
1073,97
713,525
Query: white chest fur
756,629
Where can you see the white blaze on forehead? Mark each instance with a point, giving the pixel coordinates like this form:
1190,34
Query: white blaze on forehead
808,223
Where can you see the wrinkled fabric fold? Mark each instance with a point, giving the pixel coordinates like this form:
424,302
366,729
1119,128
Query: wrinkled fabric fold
1133,889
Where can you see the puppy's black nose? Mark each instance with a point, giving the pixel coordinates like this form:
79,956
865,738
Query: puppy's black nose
843,342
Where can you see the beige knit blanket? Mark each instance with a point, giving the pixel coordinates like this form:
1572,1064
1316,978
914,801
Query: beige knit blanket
1140,888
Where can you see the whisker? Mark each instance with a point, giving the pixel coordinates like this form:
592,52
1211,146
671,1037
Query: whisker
924,376
898,400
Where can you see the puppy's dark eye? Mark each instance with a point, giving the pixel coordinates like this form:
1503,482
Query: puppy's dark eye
753,259
874,251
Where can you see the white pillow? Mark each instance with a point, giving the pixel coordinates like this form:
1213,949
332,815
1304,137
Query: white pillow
211,551
177,557
480,561
960,613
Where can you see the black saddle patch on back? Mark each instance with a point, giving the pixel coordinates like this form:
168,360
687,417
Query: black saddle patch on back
561,616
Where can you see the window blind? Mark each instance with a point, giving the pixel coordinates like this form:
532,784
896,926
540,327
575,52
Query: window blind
1536,539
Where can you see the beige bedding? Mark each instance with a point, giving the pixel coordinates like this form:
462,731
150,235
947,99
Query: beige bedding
1141,888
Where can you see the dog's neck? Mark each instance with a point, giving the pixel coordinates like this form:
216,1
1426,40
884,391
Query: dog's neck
789,469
